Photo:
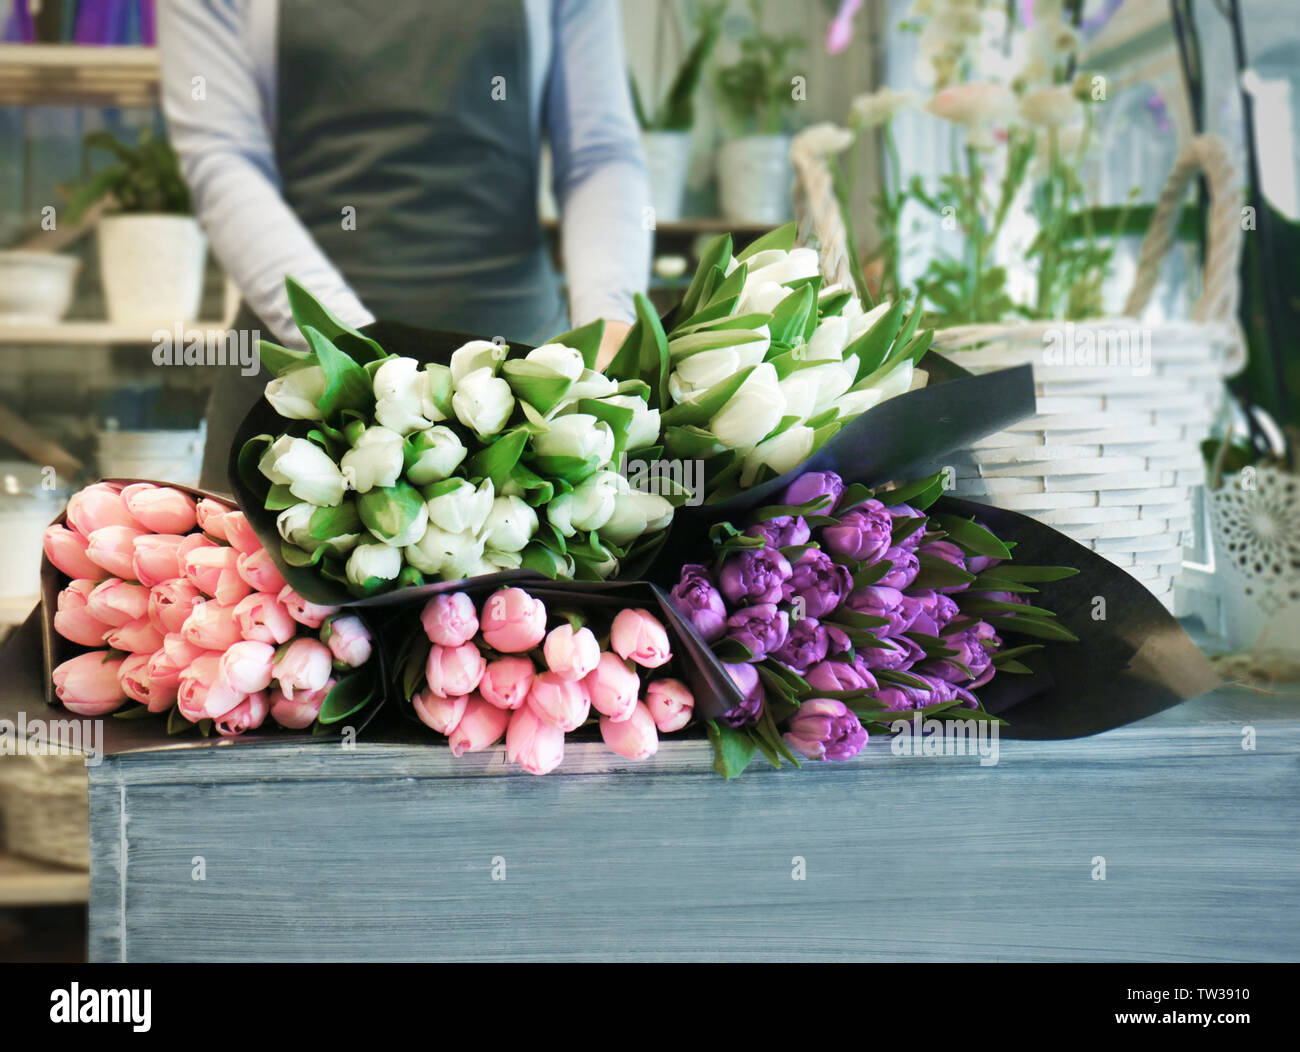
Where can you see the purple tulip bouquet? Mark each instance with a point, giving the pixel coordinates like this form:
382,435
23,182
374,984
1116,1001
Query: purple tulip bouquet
839,609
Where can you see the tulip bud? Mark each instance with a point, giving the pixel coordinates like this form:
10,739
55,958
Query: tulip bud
474,356
824,729
578,435
612,687
636,513
589,506
66,550
395,515
203,692
439,713
506,682
456,505
437,453
513,621
637,635
532,743
306,469
88,684
479,728
112,547
135,637
248,715
247,665
304,666
635,737
510,525
571,653
452,671
671,704
348,640
240,533
265,619
560,702
98,506
644,429
161,509
259,572
449,619
211,515
753,412
483,402
73,620
211,625
449,555
373,563
297,394
116,602
375,460
299,712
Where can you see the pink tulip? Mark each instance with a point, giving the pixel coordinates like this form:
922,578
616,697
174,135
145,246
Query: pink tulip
449,619
560,702
247,665
112,547
155,558
670,703
166,665
839,34
571,654
116,602
72,619
212,626
170,604
305,666
635,738
513,621
203,692
161,509
240,533
264,618
214,571
452,671
248,715
260,571
348,640
212,517
532,743
439,713
300,711
136,637
480,727
636,634
133,675
193,542
506,682
88,684
66,550
98,506
612,687
308,614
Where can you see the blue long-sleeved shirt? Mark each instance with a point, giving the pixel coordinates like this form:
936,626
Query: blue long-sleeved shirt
225,141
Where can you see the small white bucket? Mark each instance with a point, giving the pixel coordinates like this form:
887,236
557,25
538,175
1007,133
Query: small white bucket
160,456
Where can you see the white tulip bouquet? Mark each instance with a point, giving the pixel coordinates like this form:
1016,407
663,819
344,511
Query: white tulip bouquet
381,471
766,363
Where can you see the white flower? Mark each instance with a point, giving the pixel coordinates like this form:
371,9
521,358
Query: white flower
396,516
297,395
782,453
473,356
879,107
1052,107
510,525
896,382
451,555
402,401
494,561
823,139
752,412
439,452
854,402
860,323
567,361
833,380
306,469
375,459
636,513
589,506
644,429
294,526
975,104
483,402
578,435
456,505
591,384
828,340
800,390
373,560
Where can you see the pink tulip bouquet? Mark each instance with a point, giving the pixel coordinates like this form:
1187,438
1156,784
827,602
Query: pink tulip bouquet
508,667
178,608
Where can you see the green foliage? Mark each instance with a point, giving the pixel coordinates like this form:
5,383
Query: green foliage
143,179
755,90
676,111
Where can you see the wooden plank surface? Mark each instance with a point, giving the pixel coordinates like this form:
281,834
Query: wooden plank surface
388,852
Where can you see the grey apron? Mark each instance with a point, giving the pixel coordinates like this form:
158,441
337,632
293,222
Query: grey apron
415,176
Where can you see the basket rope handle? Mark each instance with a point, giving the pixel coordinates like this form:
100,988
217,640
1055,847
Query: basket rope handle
817,209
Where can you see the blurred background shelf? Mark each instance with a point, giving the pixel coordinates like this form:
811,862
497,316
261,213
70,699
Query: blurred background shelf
76,75
96,332
24,882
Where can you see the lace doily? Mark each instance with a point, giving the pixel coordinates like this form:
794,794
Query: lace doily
1257,521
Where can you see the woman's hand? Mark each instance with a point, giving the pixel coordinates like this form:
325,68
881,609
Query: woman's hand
615,332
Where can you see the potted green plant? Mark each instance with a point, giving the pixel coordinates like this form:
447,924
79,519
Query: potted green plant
666,131
756,93
151,249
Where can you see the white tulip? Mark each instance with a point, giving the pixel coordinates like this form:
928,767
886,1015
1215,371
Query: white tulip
476,355
859,322
510,525
589,506
761,297
696,374
307,470
752,412
402,401
456,505
451,555
854,402
896,382
368,561
828,340
294,526
832,381
579,435
297,395
795,264
636,513
567,361
782,453
483,402
495,561
375,459
439,452
644,429
800,389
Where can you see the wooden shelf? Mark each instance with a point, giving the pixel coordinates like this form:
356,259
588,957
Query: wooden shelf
25,882
94,332
77,75
695,227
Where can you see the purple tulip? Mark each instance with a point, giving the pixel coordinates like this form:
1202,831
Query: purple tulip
903,569
880,601
823,729
811,485
755,575
899,512
805,644
782,531
896,698
750,710
696,598
837,640
971,653
901,654
949,553
839,675
819,581
862,534
932,611
762,628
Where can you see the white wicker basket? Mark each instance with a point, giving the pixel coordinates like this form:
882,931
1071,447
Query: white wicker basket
1113,455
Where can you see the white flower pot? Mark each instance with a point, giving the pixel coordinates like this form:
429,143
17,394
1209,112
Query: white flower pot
151,267
668,162
755,179
36,287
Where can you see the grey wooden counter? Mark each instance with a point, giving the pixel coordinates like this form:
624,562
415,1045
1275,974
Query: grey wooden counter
312,851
